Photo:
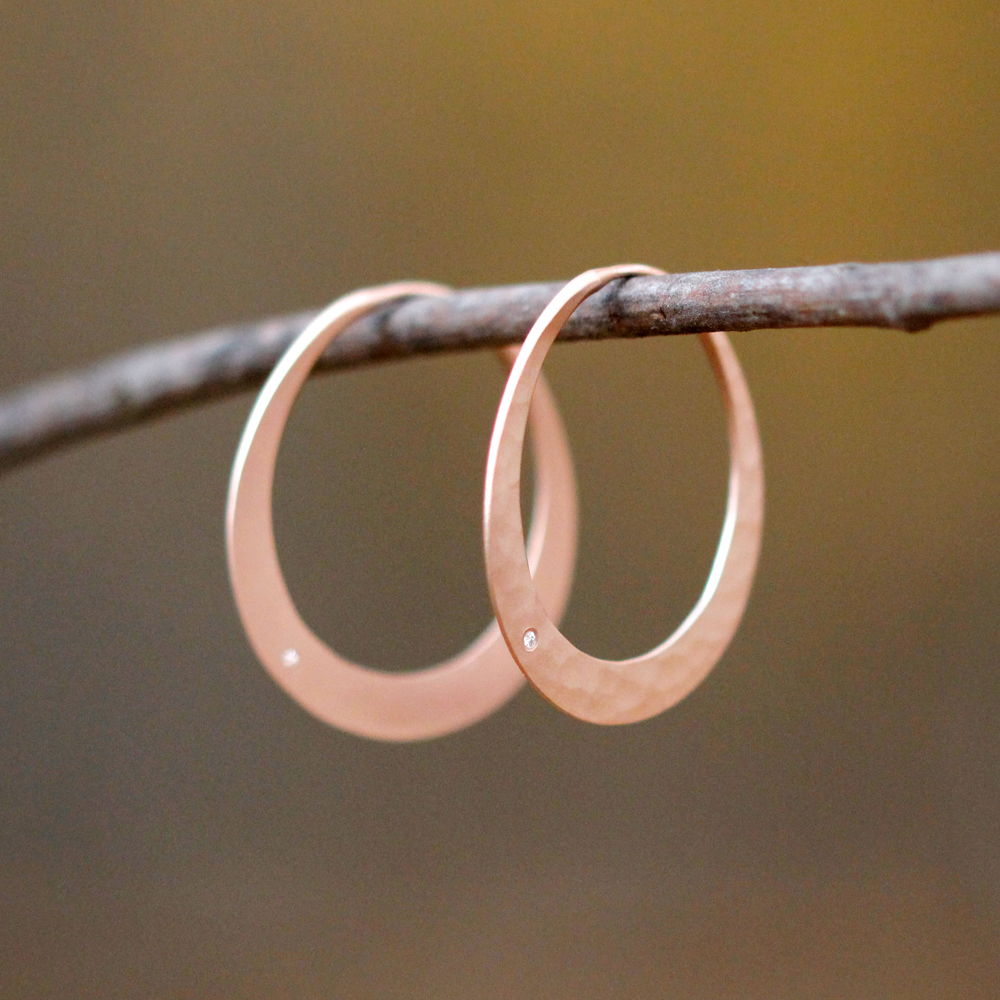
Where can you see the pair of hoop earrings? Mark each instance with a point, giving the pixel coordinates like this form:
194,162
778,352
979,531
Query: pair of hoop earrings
529,587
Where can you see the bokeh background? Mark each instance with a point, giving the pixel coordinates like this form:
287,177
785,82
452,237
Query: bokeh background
818,819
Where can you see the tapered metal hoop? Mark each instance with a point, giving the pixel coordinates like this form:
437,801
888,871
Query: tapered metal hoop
610,691
386,706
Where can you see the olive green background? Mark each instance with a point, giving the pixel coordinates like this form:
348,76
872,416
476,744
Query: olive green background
820,818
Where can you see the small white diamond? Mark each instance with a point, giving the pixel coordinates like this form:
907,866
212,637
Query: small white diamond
530,639
289,658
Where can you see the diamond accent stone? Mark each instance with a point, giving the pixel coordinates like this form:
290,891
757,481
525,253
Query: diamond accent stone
289,658
530,640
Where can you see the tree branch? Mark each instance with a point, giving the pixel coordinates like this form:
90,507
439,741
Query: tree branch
134,387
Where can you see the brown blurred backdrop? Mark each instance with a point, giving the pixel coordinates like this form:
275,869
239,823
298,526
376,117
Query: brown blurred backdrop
818,819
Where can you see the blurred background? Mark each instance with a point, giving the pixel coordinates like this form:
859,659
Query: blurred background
818,819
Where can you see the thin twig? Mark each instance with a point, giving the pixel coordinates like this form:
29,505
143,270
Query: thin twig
134,387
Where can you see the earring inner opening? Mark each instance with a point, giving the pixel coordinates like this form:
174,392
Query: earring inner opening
650,448
377,501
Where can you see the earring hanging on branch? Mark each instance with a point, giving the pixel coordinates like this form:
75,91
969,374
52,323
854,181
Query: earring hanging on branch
608,691
387,706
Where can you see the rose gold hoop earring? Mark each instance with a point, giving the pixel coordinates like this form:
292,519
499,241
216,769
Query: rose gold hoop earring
386,706
606,691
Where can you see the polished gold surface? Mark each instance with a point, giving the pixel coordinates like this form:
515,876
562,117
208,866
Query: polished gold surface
418,704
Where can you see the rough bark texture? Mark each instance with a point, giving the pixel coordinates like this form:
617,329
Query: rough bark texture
137,386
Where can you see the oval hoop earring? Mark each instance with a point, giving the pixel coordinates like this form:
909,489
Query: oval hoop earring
386,706
608,691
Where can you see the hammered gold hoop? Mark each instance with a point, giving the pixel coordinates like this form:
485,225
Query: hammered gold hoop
609,691
377,704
